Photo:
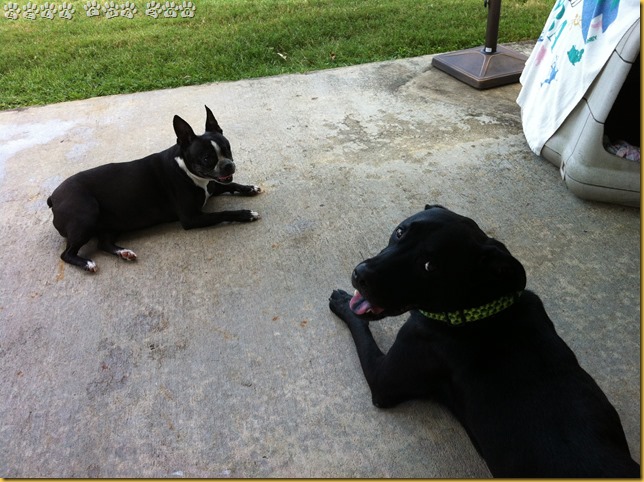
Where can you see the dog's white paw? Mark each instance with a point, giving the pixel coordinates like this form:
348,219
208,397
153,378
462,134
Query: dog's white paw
91,267
126,254
254,216
256,190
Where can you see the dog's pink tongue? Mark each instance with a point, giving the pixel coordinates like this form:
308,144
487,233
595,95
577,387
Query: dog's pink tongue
359,305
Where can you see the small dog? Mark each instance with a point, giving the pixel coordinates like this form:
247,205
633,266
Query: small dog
481,344
163,187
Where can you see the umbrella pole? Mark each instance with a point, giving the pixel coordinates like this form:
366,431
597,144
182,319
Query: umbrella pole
486,67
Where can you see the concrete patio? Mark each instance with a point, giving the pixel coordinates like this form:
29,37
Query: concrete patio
215,354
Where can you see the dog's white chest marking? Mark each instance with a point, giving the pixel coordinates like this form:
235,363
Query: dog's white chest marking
198,181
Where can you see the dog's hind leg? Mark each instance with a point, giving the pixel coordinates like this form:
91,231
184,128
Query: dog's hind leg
106,243
75,220
70,255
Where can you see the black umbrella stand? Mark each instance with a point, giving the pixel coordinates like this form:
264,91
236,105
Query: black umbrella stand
490,66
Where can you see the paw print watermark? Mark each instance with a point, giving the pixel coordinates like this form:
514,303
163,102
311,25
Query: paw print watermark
188,9
48,11
92,9
30,11
153,9
66,11
110,9
11,11
170,10
33,11
113,10
128,10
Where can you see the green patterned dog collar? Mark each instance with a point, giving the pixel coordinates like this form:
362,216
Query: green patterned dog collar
473,314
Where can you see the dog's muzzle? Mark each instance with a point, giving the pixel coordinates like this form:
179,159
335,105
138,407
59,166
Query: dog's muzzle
360,305
224,171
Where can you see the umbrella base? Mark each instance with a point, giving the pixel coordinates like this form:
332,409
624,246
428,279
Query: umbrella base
481,69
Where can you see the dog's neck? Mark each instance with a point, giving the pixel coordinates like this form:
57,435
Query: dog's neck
468,315
198,181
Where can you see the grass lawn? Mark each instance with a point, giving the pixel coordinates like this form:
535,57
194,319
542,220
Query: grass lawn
44,61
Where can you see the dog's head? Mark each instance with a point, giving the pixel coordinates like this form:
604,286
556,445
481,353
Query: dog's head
207,156
436,261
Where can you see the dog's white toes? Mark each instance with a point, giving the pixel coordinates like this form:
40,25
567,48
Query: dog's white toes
91,267
257,190
254,216
127,254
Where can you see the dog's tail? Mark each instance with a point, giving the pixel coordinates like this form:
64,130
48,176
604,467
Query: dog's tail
49,202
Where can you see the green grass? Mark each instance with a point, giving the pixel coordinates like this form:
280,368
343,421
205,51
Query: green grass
46,61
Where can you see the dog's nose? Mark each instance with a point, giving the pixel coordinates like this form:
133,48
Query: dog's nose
227,167
358,276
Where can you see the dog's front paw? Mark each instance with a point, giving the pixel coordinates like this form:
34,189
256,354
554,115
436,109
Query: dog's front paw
250,190
339,304
253,216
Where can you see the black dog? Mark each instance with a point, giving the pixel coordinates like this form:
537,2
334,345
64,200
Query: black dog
485,347
168,186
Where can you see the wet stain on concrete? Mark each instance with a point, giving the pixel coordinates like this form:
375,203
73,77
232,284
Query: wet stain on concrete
113,371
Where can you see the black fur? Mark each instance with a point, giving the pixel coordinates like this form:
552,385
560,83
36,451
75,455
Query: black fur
114,198
514,384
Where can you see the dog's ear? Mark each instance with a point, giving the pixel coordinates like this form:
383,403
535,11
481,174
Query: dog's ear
496,265
185,134
211,123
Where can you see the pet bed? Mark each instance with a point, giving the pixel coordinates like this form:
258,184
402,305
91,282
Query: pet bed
585,60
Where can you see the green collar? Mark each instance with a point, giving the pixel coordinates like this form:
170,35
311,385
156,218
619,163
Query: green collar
474,314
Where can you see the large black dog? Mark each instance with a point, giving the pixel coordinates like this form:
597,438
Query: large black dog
484,346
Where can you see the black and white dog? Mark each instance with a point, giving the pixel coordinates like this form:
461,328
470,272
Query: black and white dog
163,187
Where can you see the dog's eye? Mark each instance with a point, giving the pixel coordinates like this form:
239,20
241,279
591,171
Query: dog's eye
399,233
429,267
